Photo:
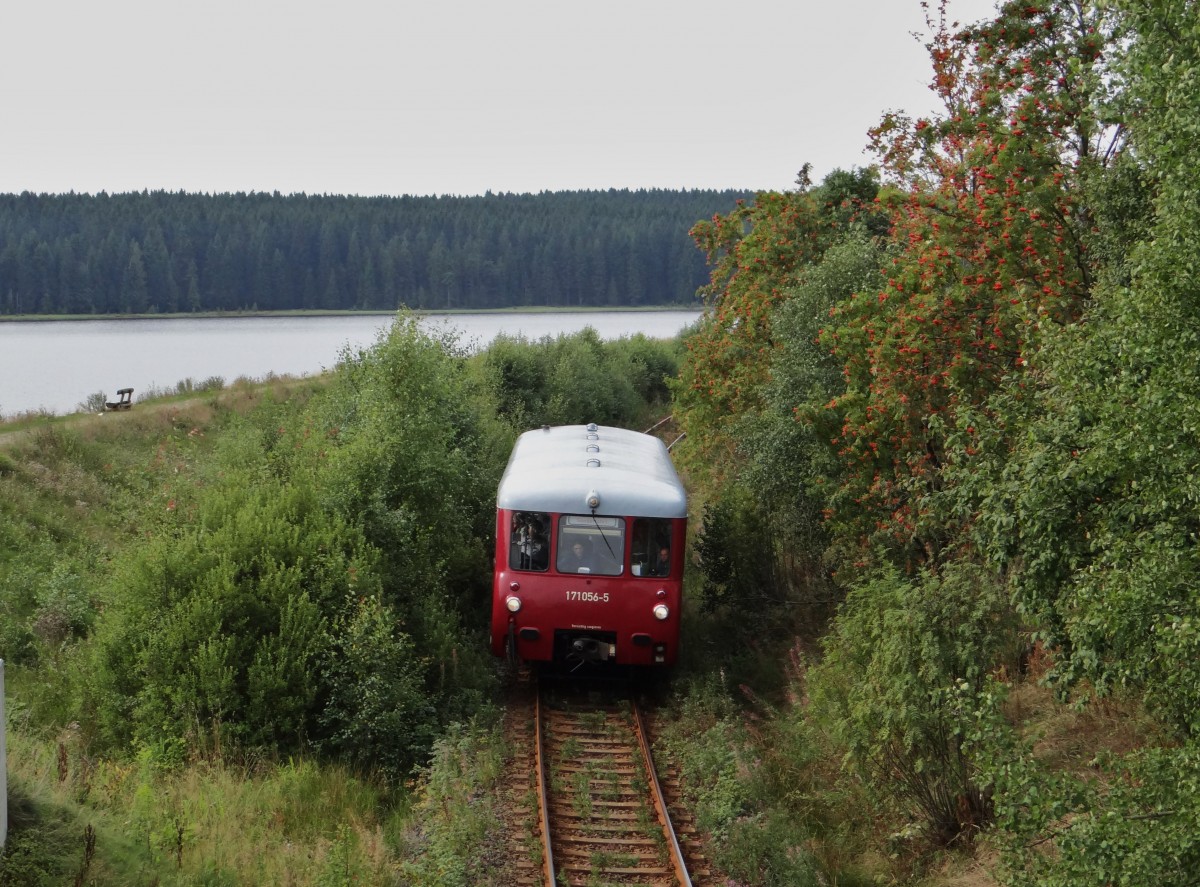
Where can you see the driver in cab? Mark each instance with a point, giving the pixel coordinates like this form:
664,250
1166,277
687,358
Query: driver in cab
576,558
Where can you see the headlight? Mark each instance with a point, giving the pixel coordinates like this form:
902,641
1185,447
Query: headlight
661,611
514,603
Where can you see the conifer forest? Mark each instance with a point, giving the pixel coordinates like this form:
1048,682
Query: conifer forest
160,252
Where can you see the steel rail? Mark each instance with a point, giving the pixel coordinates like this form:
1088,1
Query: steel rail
543,798
658,424
660,802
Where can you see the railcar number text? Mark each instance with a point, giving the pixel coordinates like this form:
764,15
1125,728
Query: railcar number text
591,596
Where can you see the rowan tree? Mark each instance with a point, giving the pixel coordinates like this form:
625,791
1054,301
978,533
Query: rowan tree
991,234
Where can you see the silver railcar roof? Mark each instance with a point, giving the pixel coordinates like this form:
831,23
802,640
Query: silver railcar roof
631,472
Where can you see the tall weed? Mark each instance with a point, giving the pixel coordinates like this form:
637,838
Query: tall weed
456,839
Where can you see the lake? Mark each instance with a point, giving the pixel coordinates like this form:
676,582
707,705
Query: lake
55,365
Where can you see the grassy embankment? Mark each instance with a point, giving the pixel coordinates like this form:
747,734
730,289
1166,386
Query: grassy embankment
154,400
76,495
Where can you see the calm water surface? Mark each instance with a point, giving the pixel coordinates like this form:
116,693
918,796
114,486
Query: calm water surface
55,365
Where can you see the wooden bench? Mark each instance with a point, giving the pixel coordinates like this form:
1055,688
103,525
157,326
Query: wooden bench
124,400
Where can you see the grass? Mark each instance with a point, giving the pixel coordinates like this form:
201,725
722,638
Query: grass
236,396
288,823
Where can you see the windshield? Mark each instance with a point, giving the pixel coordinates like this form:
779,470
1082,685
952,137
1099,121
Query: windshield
590,544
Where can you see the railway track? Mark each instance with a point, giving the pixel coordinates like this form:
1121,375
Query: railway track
602,817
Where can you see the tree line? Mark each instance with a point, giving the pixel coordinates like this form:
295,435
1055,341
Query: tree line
169,252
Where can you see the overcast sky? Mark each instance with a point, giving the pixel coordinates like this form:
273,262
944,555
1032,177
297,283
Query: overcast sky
448,96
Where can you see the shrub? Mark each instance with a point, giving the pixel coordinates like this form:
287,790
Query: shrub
735,554
378,716
517,372
459,829
768,850
64,608
706,740
313,592
1131,819
756,840
577,378
221,629
904,676
93,403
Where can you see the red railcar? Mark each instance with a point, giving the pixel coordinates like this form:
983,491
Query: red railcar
590,529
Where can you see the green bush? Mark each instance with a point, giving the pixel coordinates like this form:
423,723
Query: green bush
736,559
707,740
904,676
755,839
459,830
310,590
65,609
517,371
401,443
93,403
378,716
648,364
577,378
221,629
1132,819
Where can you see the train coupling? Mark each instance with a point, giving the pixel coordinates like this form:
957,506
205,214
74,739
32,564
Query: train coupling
593,649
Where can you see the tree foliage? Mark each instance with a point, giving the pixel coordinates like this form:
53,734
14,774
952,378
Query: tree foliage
1105,491
778,266
577,378
991,232
758,253
1002,404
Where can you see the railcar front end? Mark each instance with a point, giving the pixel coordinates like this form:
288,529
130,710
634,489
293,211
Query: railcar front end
591,523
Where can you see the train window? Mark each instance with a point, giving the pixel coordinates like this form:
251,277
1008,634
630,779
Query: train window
529,544
651,550
590,544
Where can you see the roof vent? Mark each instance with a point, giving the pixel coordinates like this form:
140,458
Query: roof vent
593,463
592,427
